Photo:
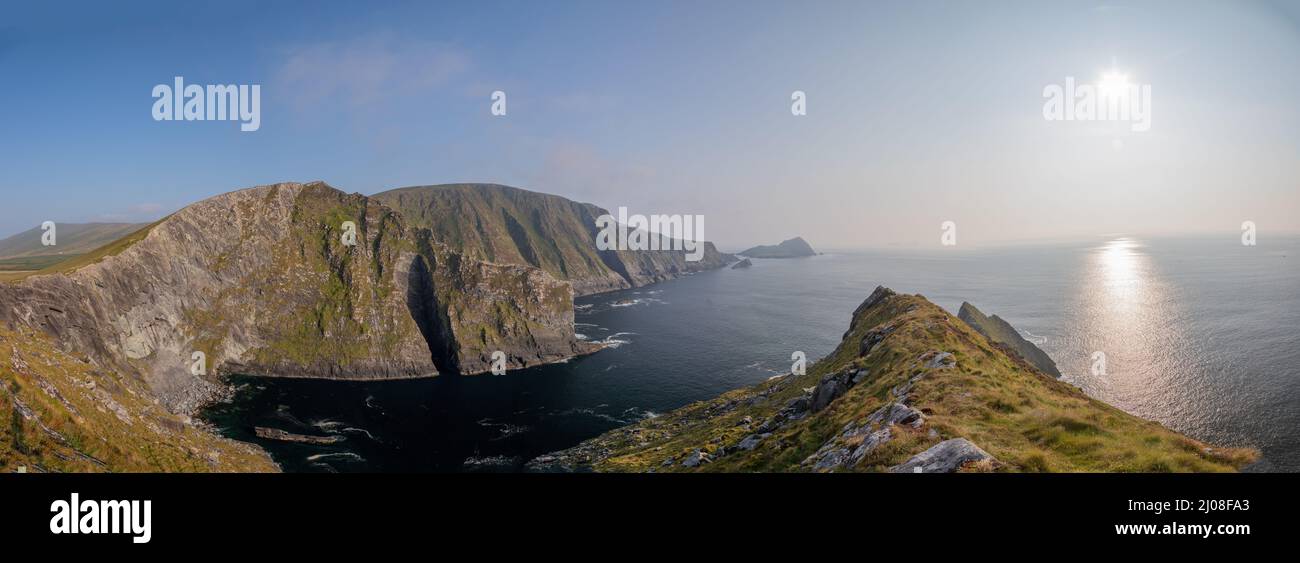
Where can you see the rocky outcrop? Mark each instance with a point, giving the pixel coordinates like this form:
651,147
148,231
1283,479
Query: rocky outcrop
262,281
506,225
909,388
1001,332
791,248
284,436
744,263
947,456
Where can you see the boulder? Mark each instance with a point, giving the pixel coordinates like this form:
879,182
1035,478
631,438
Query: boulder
830,389
751,441
897,413
873,338
696,459
945,457
941,360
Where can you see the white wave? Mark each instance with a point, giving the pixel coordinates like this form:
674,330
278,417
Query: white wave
613,340
505,428
327,424
326,466
1034,339
346,455
494,460
363,431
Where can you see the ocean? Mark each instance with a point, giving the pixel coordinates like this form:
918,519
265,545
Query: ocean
1199,334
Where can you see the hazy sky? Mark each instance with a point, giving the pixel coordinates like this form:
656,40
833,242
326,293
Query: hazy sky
918,112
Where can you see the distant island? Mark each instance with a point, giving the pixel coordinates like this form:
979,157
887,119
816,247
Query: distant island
792,248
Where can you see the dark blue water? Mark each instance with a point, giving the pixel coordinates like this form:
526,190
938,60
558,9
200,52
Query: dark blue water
1199,334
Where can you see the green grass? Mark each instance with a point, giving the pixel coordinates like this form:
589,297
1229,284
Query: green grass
33,263
84,418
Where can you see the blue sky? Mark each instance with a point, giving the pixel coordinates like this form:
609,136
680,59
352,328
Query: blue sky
918,112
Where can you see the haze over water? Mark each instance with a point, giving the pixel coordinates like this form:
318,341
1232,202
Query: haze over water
1198,334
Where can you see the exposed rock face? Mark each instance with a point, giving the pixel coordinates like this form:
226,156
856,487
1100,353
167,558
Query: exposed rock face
908,387
945,457
261,282
1001,332
744,263
792,248
501,224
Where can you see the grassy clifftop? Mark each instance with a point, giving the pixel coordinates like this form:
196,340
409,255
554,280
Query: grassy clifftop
910,388
63,413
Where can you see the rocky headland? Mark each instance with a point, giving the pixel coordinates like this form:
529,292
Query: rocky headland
304,280
910,389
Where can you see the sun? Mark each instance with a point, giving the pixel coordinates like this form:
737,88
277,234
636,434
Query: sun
1114,84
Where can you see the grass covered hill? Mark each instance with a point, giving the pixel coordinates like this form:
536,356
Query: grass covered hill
508,225
23,253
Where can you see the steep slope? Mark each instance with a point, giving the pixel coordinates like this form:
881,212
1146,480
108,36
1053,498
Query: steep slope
910,388
1001,332
260,282
512,226
790,248
60,413
24,252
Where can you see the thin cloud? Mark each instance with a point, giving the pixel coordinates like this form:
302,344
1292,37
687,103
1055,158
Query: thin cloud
367,71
